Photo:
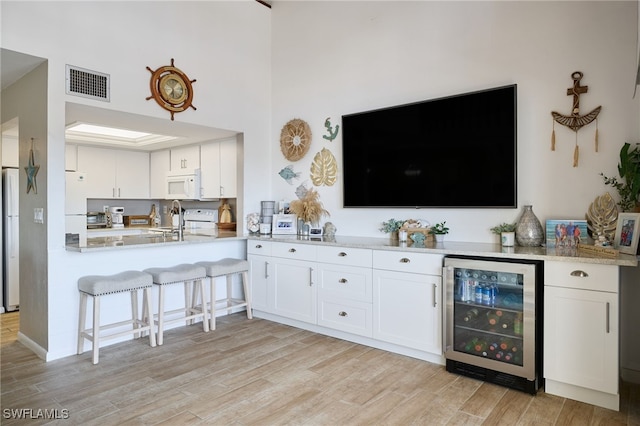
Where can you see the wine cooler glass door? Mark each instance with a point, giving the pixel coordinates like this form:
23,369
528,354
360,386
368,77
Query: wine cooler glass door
490,315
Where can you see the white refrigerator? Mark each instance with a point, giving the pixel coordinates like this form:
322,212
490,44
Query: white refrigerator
11,240
75,209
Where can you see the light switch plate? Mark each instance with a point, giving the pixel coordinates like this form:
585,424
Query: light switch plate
38,215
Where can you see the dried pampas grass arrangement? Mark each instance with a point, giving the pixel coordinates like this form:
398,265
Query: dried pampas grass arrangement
309,208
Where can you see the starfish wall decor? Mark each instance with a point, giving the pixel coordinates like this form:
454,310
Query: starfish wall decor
32,171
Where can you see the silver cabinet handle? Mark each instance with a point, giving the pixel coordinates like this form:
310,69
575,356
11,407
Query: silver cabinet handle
222,191
342,314
342,281
266,269
310,277
292,250
435,292
579,273
607,313
405,260
342,254
258,246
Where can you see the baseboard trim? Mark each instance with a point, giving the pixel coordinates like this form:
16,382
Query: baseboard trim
33,346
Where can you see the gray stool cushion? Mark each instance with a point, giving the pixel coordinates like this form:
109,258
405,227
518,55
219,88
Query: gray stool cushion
97,285
225,266
177,274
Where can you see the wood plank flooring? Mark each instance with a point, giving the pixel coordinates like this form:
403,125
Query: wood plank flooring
256,372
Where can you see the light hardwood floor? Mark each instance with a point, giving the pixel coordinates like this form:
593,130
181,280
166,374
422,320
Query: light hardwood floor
256,372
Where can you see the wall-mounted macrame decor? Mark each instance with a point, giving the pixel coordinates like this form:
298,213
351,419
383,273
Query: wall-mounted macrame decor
295,139
32,171
575,121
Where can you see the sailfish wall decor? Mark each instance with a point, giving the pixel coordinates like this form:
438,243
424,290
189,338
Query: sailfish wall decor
575,121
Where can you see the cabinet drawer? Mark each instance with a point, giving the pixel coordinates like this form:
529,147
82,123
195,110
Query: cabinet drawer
420,263
294,251
345,256
259,247
585,276
351,317
346,282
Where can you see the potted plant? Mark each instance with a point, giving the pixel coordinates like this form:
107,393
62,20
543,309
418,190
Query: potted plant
507,232
392,227
629,170
439,230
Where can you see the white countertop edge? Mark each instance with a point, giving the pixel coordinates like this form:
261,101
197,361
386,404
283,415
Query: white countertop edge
204,240
454,248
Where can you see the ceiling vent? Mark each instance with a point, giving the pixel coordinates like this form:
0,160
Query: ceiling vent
87,83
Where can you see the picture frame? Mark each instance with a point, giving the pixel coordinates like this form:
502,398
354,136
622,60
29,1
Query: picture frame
557,232
626,238
284,224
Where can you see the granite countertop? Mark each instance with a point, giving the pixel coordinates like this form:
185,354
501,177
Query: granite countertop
456,248
141,240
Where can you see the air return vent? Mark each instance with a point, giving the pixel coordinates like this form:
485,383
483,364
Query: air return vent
87,83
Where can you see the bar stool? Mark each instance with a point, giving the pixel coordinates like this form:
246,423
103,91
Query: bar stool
185,274
227,267
97,286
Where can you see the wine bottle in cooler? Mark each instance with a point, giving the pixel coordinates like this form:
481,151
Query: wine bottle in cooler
470,315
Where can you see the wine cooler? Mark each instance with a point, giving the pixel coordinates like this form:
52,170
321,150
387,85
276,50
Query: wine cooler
493,320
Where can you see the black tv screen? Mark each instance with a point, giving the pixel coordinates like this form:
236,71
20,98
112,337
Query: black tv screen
455,152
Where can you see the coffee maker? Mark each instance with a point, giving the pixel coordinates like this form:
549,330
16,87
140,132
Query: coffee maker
117,217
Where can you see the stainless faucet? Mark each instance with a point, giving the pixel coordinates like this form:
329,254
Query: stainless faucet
180,218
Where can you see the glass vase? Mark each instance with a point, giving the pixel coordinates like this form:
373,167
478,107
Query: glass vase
529,231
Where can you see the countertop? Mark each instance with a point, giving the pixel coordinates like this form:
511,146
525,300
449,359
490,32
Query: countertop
142,239
456,248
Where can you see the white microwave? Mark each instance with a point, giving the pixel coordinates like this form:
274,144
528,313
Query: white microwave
183,185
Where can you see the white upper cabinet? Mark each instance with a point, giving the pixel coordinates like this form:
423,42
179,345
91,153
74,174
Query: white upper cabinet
160,164
185,158
115,173
219,169
10,153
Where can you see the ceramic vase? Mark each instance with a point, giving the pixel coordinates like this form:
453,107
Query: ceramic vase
507,239
439,238
529,231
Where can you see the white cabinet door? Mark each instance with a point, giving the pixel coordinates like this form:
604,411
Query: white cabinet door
219,169
114,173
259,278
407,309
293,293
159,165
132,174
228,169
100,165
581,338
10,151
185,158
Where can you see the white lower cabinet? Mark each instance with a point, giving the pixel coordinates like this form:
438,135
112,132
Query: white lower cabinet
340,291
407,299
581,332
407,309
259,257
293,289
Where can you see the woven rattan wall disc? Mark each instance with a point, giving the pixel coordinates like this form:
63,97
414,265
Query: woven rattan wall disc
295,139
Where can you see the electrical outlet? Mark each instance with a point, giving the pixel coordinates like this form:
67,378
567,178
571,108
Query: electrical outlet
164,209
38,215
105,209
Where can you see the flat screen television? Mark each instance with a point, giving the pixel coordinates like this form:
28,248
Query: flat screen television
453,152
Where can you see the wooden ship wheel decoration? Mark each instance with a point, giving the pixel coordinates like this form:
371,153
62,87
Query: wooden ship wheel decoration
171,88
295,139
575,121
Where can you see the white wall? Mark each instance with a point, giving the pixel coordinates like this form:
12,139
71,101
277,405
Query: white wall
334,58
225,46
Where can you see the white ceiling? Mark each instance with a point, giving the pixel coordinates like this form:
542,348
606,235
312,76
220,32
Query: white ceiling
15,65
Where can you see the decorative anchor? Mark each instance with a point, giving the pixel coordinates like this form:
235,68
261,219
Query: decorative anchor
575,121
